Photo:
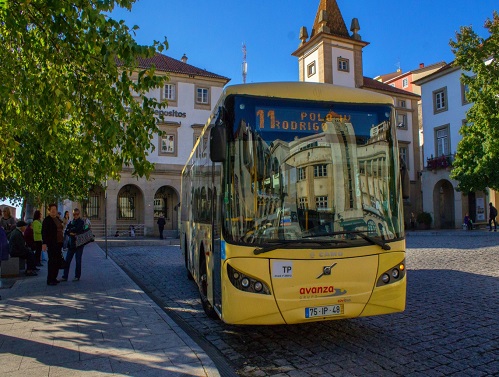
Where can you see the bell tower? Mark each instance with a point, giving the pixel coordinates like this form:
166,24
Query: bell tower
331,54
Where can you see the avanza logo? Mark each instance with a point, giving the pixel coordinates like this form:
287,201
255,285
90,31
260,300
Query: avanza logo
321,291
315,290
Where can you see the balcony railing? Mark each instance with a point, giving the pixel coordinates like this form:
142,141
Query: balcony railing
441,162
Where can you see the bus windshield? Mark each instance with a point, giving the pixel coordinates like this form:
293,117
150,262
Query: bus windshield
310,171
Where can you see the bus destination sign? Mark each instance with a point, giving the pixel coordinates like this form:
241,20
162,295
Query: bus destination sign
293,119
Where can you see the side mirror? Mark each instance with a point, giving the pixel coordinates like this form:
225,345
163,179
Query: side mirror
218,143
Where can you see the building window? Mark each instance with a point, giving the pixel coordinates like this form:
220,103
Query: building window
405,83
320,170
303,203
168,144
202,96
311,69
168,140
371,228
161,203
126,203
464,93
321,202
91,206
343,65
170,92
404,155
302,174
402,103
440,100
402,120
442,141
201,150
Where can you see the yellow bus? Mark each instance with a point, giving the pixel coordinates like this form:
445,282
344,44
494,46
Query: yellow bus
291,206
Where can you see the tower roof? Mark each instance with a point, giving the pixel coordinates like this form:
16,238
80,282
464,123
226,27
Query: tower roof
334,20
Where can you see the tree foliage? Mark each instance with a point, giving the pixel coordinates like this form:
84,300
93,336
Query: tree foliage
68,118
476,165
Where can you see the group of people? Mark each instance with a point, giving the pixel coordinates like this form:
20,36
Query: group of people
468,222
52,235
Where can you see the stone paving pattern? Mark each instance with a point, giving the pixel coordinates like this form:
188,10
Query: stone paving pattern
450,326
102,325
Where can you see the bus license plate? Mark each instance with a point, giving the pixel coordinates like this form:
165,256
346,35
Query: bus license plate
323,311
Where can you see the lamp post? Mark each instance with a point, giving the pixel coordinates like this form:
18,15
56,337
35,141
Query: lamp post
105,217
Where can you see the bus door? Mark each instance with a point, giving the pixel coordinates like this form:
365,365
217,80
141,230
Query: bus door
216,239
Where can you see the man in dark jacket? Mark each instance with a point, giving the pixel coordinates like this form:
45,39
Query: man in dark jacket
18,248
492,217
76,226
52,235
161,225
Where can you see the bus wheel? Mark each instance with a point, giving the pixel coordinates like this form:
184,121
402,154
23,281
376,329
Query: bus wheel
203,292
189,275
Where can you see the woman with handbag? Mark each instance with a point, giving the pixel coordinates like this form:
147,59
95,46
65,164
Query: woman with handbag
76,226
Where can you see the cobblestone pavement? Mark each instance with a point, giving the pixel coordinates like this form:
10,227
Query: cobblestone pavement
450,326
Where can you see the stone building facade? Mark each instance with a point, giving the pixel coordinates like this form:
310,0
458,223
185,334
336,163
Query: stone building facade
191,94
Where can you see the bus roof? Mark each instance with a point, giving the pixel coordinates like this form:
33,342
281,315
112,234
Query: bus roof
309,91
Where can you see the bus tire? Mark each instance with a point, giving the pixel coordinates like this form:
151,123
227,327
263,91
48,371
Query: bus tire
203,292
189,275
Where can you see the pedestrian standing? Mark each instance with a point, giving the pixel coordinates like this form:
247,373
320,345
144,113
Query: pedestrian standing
161,225
7,222
76,226
413,221
29,237
86,221
4,246
52,243
37,236
65,222
492,217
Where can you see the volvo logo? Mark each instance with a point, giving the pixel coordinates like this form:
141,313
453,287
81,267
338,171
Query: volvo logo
326,270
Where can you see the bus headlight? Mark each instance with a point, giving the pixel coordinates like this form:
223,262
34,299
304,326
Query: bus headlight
246,283
392,275
258,286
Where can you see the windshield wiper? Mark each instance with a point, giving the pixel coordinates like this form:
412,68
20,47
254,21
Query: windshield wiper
370,239
283,244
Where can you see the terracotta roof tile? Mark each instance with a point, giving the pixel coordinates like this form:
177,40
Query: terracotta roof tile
370,83
164,63
335,20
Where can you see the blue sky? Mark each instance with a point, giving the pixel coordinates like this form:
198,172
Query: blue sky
211,33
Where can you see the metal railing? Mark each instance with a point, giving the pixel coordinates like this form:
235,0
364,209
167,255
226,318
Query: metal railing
441,162
119,230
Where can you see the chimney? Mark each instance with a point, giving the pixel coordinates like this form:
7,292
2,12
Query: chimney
303,35
421,65
184,59
323,28
354,28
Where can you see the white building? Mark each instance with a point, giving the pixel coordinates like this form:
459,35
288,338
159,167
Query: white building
191,93
444,108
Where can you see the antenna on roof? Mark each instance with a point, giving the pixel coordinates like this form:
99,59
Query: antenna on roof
245,65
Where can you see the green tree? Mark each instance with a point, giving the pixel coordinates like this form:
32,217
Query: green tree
68,118
476,165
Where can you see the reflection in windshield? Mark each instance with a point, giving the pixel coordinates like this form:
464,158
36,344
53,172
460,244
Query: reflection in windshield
298,170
